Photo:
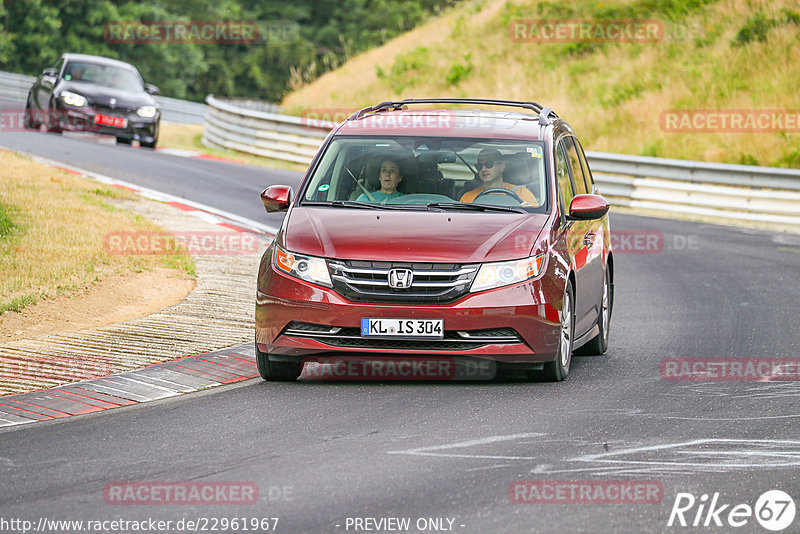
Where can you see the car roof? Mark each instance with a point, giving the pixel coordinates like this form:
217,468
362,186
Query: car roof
97,59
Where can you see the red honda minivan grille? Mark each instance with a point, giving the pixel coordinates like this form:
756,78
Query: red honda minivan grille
374,281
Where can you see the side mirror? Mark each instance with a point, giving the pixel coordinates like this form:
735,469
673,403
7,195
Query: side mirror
587,207
151,89
53,73
276,198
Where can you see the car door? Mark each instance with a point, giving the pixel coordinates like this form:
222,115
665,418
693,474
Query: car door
589,258
46,84
570,237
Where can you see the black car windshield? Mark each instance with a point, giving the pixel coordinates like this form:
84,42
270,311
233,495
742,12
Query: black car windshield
431,173
104,75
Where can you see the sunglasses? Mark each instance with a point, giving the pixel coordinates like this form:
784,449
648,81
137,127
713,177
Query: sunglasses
487,164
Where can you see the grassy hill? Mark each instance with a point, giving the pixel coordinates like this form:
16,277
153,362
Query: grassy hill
714,55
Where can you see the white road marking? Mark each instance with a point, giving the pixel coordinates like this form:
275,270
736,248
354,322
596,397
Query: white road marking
429,451
765,449
153,194
683,418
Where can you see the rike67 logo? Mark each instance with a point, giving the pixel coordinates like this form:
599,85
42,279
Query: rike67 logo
774,510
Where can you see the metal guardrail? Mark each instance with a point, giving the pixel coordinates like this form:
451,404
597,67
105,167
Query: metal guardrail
742,192
261,133
15,87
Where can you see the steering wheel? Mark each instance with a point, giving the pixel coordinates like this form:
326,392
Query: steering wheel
492,190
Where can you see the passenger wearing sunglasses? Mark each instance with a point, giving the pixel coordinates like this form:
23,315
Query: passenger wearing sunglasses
490,169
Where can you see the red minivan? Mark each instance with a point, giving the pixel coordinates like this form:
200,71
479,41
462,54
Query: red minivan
475,234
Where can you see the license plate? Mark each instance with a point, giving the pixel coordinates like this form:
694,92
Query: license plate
404,328
108,120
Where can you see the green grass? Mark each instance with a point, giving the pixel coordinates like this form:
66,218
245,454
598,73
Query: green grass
180,262
713,55
17,304
6,223
52,231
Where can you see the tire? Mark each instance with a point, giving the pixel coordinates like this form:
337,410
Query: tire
30,120
51,120
277,371
557,370
599,344
150,145
124,141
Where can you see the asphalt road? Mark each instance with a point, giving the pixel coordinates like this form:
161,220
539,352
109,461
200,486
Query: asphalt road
323,452
227,186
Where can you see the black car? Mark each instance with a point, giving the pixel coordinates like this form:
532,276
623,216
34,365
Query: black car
96,94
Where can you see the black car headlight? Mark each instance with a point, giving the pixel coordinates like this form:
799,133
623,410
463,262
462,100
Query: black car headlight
146,112
73,99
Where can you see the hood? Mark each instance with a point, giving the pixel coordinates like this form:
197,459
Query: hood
419,236
97,94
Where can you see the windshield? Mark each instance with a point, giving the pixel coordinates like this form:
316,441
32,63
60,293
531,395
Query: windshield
431,173
104,75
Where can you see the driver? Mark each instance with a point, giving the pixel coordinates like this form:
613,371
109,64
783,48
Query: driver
389,177
490,169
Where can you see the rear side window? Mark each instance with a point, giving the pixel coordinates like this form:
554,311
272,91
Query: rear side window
587,173
562,175
575,166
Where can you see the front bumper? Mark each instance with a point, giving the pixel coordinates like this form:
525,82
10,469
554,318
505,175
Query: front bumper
292,317
144,130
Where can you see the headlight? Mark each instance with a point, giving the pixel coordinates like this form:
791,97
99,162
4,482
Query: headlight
504,273
306,268
146,111
73,99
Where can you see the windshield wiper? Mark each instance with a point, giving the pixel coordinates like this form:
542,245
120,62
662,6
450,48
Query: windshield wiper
471,206
353,204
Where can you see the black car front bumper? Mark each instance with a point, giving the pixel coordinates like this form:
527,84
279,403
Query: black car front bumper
136,128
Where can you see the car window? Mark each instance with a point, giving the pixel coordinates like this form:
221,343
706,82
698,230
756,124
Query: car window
575,166
416,171
562,176
104,75
587,173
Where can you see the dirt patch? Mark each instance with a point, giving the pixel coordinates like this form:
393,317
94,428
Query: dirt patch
116,298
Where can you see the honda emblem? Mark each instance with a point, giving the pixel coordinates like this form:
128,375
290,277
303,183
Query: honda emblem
400,278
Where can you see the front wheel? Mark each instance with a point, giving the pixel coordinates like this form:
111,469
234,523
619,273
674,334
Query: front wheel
30,121
53,120
557,370
277,371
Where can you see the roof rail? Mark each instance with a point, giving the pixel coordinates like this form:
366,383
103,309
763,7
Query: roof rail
546,116
399,104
